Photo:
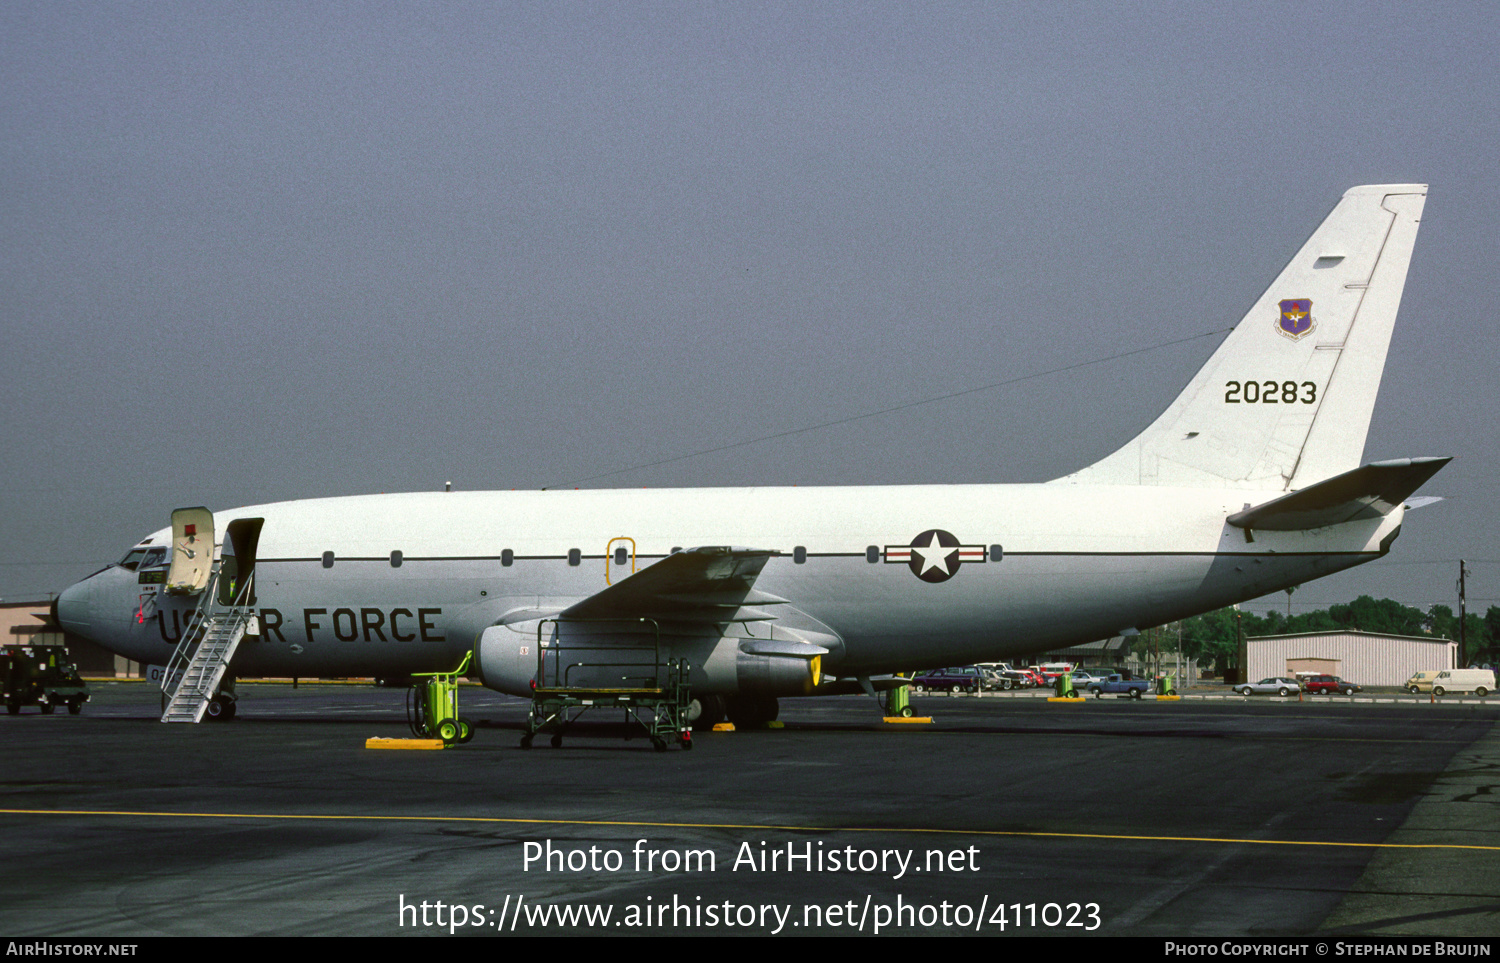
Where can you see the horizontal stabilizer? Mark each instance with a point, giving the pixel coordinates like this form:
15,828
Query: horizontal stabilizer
711,584
1372,491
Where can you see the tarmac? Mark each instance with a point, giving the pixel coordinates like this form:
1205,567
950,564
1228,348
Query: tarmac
1212,816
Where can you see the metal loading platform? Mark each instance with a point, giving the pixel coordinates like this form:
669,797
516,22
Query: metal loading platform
570,677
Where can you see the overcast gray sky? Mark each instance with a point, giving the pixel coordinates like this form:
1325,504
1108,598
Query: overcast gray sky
251,252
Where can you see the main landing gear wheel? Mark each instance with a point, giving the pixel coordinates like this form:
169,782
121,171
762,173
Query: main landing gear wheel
705,712
220,709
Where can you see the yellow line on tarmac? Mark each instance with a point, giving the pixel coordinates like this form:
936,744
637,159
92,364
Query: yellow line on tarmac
752,827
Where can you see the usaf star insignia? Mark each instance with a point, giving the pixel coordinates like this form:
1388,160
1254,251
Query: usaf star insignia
934,555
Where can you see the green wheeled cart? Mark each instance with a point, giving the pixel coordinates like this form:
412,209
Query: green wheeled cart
433,706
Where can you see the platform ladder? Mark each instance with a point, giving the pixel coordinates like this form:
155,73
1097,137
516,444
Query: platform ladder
202,657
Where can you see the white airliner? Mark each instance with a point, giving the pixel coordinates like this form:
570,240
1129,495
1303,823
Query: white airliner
1250,482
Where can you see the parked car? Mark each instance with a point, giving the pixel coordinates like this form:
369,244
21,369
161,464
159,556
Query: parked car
1117,684
965,677
1331,684
1276,685
1478,681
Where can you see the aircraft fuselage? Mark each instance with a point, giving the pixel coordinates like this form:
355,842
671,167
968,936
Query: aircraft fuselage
1035,567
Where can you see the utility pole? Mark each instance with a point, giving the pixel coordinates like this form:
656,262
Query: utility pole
1240,654
1463,615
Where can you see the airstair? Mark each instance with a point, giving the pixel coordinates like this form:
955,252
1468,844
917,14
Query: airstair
202,657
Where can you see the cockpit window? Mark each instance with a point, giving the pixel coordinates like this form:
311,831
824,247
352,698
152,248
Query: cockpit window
133,558
155,558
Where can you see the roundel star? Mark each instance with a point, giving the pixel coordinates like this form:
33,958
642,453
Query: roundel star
934,555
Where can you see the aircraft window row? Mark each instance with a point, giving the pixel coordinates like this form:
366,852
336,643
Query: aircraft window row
144,558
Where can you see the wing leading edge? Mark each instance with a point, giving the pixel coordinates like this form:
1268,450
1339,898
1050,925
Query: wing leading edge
712,584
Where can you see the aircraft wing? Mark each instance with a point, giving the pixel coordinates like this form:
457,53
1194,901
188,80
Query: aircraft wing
1370,491
709,584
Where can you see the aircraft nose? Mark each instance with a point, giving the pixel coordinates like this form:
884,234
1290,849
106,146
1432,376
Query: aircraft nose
73,609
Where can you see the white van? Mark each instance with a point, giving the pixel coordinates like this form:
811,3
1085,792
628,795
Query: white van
1477,681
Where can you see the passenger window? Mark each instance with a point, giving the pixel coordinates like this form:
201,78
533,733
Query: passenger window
799,554
621,556
507,558
328,560
872,554
395,559
574,556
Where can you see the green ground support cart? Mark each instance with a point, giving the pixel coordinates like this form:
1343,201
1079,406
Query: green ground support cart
433,706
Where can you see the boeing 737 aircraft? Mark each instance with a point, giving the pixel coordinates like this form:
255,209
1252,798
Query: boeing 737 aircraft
1250,482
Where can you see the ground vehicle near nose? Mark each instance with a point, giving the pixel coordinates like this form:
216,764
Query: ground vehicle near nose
40,676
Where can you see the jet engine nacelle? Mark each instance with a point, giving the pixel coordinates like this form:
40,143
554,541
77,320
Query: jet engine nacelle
507,657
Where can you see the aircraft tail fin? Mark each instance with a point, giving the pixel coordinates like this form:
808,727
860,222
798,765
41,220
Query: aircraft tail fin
1285,401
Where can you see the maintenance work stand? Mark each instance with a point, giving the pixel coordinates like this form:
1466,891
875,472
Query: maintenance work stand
652,691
